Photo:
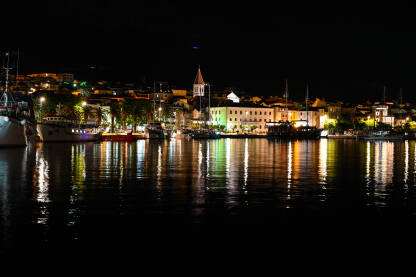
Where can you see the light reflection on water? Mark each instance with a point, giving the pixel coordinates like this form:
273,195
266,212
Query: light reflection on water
74,181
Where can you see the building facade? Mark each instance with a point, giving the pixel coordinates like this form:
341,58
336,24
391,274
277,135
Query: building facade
241,119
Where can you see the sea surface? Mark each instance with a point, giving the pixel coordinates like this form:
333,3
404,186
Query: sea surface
157,204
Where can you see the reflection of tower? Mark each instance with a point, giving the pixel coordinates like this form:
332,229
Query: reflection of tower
198,84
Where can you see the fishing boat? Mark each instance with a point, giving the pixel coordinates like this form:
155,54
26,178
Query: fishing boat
16,117
62,129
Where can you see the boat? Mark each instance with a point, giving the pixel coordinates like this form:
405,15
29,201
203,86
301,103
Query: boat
129,137
287,130
16,118
383,135
204,134
181,134
154,130
61,129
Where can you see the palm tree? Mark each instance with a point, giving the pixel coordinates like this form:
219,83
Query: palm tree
87,112
114,113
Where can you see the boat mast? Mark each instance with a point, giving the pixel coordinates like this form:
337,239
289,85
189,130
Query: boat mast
7,68
286,95
306,101
154,102
17,69
160,99
209,105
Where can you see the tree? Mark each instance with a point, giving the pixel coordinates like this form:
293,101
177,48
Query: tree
114,113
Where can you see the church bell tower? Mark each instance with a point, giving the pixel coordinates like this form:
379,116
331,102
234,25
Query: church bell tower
199,84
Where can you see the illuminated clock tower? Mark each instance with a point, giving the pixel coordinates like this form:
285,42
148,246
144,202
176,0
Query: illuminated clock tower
199,84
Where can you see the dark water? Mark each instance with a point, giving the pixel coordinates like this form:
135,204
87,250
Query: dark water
153,205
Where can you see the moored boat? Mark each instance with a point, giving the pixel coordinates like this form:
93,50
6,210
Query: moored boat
129,137
383,135
61,129
287,130
16,118
155,130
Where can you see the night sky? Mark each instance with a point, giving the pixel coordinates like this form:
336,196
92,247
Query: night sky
348,50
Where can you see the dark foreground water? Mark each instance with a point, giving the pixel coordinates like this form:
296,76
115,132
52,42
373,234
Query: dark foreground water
158,205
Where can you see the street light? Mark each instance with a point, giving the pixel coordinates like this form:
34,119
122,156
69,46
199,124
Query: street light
41,100
160,109
84,103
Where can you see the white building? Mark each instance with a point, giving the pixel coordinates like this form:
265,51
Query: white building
381,114
233,97
242,118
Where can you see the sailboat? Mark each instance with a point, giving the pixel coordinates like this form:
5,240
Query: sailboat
287,130
16,116
154,130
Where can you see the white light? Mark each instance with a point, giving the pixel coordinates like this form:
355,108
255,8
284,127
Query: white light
84,103
42,99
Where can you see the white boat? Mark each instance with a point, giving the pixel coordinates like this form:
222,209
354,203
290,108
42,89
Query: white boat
12,132
15,118
61,129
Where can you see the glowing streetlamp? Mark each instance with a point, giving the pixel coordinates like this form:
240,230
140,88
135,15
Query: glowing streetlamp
160,109
84,103
41,100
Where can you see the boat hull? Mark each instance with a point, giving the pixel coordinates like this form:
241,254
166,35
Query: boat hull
52,133
154,134
12,132
398,137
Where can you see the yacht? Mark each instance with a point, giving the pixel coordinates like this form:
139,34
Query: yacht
59,128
